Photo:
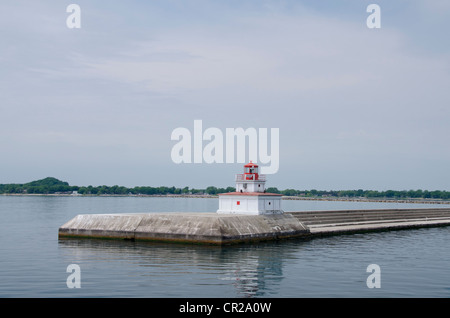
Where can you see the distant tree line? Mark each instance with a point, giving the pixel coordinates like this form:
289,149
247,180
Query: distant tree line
394,194
145,190
54,186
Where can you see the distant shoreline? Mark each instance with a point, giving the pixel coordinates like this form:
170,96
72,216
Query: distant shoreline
210,196
423,201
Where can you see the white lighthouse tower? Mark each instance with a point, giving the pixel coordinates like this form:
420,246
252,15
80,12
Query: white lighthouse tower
250,197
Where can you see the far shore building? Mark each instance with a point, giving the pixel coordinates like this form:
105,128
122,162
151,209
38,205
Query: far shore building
250,197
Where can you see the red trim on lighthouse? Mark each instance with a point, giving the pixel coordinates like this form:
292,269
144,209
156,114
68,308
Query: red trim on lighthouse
252,194
251,171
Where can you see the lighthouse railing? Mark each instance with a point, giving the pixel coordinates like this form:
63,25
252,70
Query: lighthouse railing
249,177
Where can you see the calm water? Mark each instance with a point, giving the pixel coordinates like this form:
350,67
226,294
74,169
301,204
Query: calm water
33,263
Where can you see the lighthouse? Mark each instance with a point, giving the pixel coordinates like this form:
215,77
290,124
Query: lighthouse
250,197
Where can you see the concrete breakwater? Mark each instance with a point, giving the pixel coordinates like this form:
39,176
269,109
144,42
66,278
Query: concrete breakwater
222,229
357,221
204,228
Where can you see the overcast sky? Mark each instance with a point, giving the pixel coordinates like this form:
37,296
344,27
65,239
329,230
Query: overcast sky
357,108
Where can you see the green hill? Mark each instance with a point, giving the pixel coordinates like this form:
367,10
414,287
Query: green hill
47,182
47,185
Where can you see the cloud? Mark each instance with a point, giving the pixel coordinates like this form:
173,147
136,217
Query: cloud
278,57
280,54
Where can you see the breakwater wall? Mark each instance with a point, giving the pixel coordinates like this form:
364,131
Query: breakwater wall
222,229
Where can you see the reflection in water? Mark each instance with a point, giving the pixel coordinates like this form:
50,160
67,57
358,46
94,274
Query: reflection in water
252,270
255,271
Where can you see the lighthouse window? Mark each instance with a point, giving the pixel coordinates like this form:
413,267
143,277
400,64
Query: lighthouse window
269,203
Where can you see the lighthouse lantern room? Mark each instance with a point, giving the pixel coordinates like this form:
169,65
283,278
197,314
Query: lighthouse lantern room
250,196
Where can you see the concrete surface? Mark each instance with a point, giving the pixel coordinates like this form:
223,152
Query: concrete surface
206,228
219,229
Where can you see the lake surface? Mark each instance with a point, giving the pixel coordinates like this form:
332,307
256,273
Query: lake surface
33,263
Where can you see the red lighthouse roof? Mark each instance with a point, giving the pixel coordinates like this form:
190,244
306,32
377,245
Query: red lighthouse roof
250,172
251,164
